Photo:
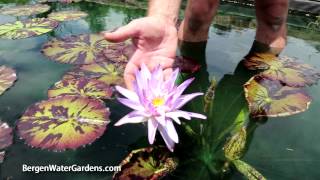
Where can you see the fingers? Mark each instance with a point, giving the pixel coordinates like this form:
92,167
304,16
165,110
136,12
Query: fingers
123,33
164,62
129,74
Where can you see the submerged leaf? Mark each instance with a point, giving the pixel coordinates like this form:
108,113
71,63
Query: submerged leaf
25,10
6,136
235,146
67,15
80,49
27,28
7,78
272,99
111,74
284,69
146,163
81,87
64,122
248,171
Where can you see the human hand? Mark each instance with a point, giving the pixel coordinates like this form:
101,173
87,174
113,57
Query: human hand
155,40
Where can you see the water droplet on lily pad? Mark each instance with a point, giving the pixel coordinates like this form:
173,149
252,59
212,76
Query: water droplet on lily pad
64,122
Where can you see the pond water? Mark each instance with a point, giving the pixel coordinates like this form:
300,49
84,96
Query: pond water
281,148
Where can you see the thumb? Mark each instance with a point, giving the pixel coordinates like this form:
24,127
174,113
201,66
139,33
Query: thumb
122,33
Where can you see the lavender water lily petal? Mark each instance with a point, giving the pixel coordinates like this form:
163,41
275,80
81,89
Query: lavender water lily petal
157,101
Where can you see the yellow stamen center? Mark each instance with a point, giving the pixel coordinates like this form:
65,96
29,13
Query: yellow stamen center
158,101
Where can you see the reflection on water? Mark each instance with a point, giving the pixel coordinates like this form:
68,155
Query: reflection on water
281,148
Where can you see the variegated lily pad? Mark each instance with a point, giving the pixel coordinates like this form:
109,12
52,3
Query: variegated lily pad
67,15
119,52
284,69
80,49
64,122
27,28
234,148
7,78
270,98
146,163
81,87
111,74
25,10
6,138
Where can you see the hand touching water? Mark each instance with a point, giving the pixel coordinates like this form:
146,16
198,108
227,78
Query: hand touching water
156,43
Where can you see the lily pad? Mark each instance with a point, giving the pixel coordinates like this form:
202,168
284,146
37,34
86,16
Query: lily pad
81,87
119,52
284,69
7,78
25,10
6,136
186,65
80,49
248,171
146,163
272,99
111,74
27,28
64,122
67,15
260,61
235,146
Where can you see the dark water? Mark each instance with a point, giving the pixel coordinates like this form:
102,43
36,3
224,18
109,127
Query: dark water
281,148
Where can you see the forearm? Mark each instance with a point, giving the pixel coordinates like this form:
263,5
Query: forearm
168,9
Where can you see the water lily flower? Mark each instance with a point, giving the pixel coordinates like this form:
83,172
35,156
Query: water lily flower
157,101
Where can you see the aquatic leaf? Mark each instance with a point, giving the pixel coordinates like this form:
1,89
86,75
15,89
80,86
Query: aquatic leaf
146,163
67,15
25,10
27,28
234,148
7,78
79,49
111,74
64,122
119,52
284,69
270,98
6,136
248,171
260,61
186,65
81,87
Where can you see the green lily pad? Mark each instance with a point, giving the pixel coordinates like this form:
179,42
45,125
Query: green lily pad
284,69
235,146
272,99
27,28
64,122
67,15
25,10
80,49
248,171
146,163
6,138
7,78
111,74
81,87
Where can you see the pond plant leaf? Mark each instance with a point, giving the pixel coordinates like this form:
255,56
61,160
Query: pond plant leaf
25,10
6,138
234,148
146,163
285,69
7,78
119,52
64,122
260,61
27,28
67,15
272,99
81,87
248,171
76,49
108,73
186,65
